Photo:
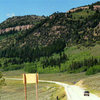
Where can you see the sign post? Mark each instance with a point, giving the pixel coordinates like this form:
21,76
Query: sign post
28,79
36,86
25,87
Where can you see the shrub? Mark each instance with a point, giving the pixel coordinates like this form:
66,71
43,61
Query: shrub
13,67
93,70
30,68
2,80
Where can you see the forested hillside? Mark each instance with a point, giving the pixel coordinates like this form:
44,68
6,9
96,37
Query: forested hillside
21,20
45,47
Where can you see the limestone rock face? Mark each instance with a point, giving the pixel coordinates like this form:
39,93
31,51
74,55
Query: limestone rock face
79,8
17,28
95,7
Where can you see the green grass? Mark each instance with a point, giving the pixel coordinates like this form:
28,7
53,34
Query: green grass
61,77
95,51
13,74
84,13
15,89
60,93
90,82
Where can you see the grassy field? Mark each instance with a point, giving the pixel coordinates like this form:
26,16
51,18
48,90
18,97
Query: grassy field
85,13
89,82
92,83
14,90
61,77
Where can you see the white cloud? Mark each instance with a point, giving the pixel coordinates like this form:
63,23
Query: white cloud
10,14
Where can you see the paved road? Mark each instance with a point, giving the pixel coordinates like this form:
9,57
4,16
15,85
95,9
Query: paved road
73,92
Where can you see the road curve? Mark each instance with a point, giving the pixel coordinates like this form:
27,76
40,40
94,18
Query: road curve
73,92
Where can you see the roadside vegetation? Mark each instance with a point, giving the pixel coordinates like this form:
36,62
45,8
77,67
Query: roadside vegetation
15,88
90,83
2,80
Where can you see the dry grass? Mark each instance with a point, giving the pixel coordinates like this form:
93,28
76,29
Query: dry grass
60,93
14,90
93,84
63,77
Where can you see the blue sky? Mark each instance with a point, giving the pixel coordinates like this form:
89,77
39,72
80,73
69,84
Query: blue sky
10,8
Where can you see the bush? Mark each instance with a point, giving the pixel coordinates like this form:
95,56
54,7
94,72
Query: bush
30,68
93,70
2,80
0,75
13,67
82,69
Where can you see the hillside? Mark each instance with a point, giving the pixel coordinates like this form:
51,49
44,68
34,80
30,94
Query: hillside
97,3
21,20
52,35
19,23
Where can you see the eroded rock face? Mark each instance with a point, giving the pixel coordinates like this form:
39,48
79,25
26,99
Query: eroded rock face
95,7
80,8
17,28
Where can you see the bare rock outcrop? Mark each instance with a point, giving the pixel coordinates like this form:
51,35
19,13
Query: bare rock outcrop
95,7
17,28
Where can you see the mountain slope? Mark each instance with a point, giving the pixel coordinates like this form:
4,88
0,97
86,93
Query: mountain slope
71,28
52,35
21,20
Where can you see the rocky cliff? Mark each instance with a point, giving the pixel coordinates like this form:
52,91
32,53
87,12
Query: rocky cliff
17,28
95,7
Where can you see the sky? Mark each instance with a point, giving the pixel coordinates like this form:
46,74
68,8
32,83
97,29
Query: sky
9,8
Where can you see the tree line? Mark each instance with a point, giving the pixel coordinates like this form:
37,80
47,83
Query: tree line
30,54
86,62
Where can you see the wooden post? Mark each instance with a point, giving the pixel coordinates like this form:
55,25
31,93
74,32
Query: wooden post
57,97
25,87
36,86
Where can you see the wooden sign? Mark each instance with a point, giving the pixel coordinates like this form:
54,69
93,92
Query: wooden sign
28,79
31,78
